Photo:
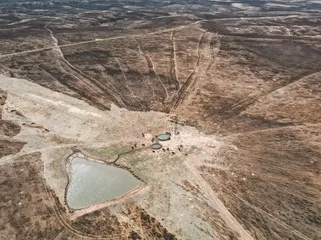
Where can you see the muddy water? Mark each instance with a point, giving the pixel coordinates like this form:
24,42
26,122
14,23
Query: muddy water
93,183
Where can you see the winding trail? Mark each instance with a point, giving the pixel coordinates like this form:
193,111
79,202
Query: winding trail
100,40
57,48
149,33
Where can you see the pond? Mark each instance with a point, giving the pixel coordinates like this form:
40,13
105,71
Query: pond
93,183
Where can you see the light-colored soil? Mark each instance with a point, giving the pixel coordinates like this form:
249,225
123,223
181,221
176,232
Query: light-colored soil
97,131
104,78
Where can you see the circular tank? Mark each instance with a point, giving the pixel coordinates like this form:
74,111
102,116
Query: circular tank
163,137
156,146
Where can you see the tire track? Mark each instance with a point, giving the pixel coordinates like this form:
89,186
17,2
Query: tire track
125,84
127,152
60,235
118,98
242,104
294,82
271,129
217,204
55,40
103,40
173,63
73,88
77,70
184,90
72,230
214,52
239,106
150,63
125,78
278,221
69,228
151,66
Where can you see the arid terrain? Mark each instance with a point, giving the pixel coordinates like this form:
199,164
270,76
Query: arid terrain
240,81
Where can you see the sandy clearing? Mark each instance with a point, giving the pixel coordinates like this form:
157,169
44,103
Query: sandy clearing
74,122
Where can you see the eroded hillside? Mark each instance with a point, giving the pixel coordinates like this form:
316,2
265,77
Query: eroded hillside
241,82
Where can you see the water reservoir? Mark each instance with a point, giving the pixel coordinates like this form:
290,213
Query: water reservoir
164,137
92,183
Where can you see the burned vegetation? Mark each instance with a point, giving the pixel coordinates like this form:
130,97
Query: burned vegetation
8,130
247,75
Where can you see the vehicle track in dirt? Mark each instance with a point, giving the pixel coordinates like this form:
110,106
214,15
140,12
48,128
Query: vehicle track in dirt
184,90
57,47
217,204
59,215
151,66
118,99
101,40
280,222
69,228
173,63
269,129
214,51
125,84
242,104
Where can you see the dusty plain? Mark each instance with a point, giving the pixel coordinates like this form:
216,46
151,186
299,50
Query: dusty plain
242,81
